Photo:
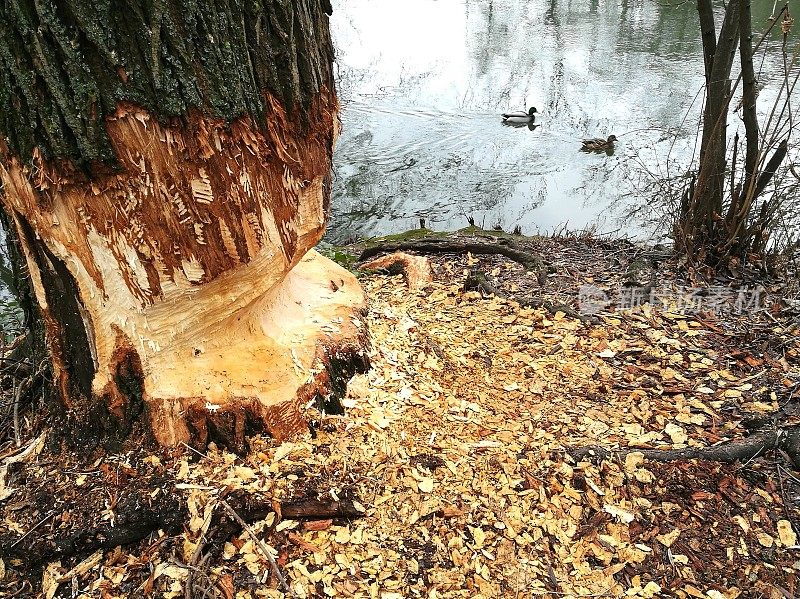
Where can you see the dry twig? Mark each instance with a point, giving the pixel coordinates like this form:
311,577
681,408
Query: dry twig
282,584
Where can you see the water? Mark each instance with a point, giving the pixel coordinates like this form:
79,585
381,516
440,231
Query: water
423,83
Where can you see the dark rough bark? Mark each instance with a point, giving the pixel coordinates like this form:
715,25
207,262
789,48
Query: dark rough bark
710,180
66,65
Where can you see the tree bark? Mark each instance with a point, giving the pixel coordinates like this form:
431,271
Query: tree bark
167,171
749,96
708,32
707,201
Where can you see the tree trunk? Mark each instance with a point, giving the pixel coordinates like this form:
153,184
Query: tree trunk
167,170
708,32
719,57
740,206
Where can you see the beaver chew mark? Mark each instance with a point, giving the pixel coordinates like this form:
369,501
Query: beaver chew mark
228,428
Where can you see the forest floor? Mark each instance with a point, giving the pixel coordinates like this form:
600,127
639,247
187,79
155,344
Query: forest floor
454,455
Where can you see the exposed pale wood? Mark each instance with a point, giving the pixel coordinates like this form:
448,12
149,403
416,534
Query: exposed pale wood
416,269
265,360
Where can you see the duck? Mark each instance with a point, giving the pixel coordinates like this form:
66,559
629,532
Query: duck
598,144
520,116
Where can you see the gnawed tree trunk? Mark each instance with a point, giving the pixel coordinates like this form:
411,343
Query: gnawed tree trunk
167,169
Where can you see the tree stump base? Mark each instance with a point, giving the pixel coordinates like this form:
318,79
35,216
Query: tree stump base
298,343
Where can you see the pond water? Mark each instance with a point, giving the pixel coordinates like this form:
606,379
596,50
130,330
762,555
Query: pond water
423,82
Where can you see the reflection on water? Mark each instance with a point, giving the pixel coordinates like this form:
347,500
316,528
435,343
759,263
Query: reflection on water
423,84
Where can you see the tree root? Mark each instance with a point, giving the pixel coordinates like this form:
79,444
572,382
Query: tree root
138,515
503,247
477,281
416,269
786,439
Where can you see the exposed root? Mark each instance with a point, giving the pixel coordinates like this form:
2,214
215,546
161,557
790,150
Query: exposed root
509,249
416,269
477,281
138,514
786,439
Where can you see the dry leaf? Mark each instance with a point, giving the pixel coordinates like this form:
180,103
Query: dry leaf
425,485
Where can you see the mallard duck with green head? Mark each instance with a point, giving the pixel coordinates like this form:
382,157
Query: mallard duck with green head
520,116
598,144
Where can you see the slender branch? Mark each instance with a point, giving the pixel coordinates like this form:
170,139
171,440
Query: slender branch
771,167
749,96
282,584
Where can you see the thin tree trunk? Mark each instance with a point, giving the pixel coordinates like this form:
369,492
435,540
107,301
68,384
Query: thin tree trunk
710,181
741,235
708,32
167,171
749,96
698,226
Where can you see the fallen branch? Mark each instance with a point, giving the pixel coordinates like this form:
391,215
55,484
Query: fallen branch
21,389
138,515
786,439
316,509
506,248
477,281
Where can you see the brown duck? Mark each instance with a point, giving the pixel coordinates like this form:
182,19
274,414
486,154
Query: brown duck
598,144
